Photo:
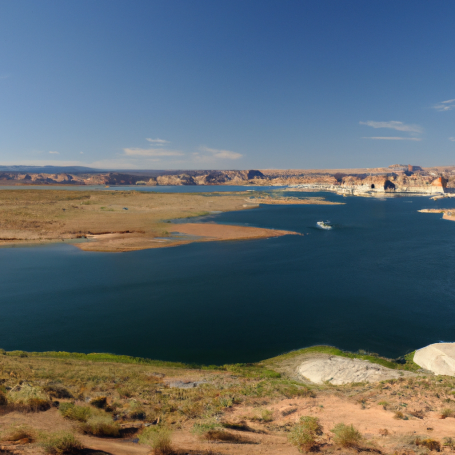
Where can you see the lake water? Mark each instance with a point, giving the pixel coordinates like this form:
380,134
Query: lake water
382,280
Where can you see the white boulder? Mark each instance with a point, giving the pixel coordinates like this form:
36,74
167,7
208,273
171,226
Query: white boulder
342,370
438,358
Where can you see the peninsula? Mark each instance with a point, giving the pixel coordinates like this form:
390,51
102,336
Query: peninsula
123,220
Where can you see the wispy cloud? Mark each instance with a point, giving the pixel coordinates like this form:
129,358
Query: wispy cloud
447,105
221,154
54,153
151,152
158,142
452,139
394,138
394,125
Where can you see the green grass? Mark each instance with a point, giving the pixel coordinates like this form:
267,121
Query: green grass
102,357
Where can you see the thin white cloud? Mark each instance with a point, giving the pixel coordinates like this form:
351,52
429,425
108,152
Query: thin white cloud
221,154
447,105
452,139
54,153
394,125
157,142
151,152
394,138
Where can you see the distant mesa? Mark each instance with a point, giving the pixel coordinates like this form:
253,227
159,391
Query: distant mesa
396,178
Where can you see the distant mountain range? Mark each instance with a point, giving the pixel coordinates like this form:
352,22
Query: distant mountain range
51,169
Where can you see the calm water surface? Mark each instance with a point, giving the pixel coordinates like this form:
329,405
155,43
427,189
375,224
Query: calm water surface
383,279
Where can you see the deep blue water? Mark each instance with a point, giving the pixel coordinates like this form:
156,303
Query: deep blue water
383,280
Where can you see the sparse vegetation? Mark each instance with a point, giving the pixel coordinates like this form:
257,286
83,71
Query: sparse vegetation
101,425
305,434
28,398
73,412
430,444
447,412
17,433
346,435
62,442
159,438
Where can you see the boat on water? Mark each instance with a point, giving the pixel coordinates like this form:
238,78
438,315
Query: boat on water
324,224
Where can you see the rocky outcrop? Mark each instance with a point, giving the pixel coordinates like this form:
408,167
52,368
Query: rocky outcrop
175,180
438,358
342,370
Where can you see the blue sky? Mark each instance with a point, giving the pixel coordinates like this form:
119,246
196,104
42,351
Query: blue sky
227,84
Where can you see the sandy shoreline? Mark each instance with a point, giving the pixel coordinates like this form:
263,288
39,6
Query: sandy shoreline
193,232
447,214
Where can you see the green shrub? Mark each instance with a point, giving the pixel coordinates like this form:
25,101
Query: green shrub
158,438
304,435
101,425
73,412
59,443
346,435
28,398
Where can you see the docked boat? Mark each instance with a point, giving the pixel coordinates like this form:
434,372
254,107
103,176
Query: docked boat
324,224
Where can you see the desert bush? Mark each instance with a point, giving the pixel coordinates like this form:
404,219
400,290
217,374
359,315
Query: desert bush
240,426
158,438
399,416
419,414
265,415
101,425
304,435
430,444
73,412
192,409
28,398
99,402
202,428
384,404
61,442
346,435
289,411
3,399
447,412
449,442
18,433
136,410
56,390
